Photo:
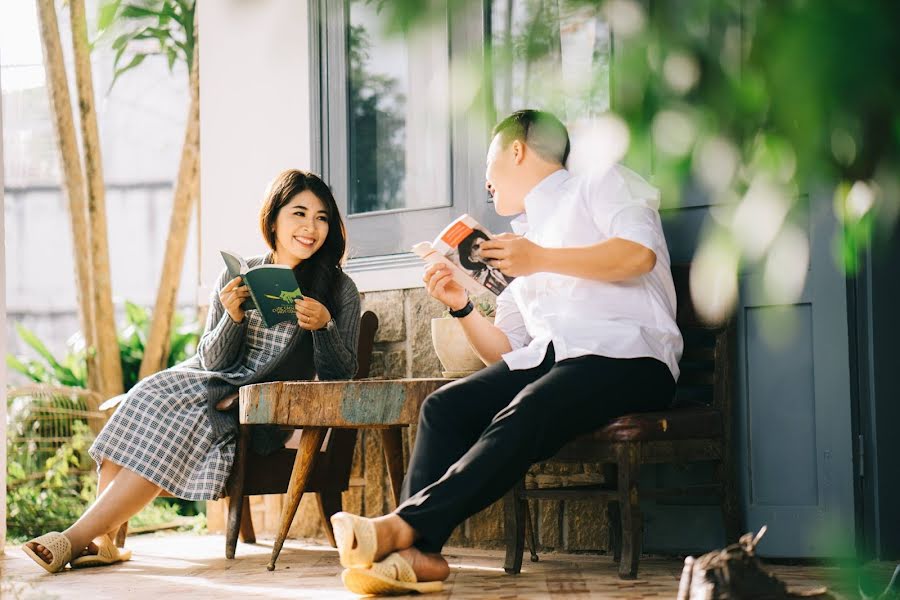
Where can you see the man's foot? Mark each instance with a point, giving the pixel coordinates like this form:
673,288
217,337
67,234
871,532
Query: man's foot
428,567
392,534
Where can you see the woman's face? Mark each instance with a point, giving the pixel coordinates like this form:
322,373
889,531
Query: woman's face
300,228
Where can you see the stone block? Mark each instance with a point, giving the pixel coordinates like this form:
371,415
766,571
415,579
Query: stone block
548,518
585,526
486,529
394,365
420,309
389,308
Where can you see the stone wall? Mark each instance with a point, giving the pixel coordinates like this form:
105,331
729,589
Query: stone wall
403,349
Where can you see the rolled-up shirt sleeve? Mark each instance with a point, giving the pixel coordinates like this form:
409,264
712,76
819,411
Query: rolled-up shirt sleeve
509,320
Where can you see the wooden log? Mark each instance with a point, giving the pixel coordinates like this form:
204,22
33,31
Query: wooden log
109,362
73,177
364,403
156,352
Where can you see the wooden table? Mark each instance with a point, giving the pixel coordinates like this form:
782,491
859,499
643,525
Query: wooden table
316,406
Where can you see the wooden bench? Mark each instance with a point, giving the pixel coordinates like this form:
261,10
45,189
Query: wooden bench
697,428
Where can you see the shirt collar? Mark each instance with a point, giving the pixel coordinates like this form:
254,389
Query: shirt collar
548,187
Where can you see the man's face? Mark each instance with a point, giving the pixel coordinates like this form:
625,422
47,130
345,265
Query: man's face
502,178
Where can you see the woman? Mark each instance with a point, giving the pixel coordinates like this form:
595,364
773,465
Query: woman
167,434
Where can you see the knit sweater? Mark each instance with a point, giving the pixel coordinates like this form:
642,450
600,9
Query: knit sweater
220,348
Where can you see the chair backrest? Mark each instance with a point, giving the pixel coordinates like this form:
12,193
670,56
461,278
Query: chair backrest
368,325
707,364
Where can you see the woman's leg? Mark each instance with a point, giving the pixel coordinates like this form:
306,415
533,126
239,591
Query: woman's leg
122,498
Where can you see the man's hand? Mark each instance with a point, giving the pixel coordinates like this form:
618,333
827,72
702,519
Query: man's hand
232,297
513,255
440,284
311,314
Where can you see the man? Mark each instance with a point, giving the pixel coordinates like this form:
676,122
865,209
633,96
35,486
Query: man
585,333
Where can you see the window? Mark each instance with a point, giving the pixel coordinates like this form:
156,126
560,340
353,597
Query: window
550,54
401,163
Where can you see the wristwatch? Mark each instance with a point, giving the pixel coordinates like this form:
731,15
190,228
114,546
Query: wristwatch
330,324
464,311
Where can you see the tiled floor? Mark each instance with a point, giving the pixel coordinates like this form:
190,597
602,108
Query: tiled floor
174,566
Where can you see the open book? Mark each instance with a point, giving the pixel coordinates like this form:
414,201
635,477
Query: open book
459,246
273,288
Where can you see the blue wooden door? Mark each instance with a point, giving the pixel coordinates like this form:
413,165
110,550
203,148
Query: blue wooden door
794,407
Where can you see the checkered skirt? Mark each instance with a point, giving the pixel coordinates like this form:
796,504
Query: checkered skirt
161,431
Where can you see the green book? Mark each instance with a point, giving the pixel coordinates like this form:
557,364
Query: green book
273,288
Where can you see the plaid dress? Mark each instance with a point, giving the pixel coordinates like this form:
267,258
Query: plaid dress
162,431
168,431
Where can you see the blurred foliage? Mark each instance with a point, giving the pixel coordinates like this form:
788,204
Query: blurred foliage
52,501
147,28
767,109
71,369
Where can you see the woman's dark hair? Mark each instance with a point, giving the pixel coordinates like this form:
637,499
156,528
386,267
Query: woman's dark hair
539,130
316,275
465,250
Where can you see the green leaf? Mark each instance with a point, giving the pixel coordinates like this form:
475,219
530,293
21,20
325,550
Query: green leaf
106,14
138,59
132,11
172,56
31,339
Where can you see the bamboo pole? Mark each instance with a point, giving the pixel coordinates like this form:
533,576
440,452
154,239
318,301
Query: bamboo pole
156,351
73,179
109,360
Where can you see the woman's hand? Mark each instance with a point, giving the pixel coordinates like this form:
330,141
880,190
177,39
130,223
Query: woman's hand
232,297
440,284
311,314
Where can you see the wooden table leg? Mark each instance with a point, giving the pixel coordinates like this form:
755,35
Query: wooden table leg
310,443
392,442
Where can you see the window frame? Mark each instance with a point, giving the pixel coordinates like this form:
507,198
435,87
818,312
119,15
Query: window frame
382,239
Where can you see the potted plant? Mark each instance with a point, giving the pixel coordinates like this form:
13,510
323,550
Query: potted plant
451,345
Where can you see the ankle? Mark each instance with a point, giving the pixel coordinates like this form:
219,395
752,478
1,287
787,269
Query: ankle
404,535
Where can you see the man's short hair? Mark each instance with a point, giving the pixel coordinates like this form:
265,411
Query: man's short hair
539,130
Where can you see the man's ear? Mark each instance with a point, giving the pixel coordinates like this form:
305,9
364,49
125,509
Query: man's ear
518,152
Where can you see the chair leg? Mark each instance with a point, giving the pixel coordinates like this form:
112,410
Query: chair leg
248,534
530,531
613,514
514,529
329,503
731,508
629,468
235,489
121,534
614,518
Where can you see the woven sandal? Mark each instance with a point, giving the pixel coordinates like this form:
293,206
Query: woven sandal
356,540
107,554
390,577
58,545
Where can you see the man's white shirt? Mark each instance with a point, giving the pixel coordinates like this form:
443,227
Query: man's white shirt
629,319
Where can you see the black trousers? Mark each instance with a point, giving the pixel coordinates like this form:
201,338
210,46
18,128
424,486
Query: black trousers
478,436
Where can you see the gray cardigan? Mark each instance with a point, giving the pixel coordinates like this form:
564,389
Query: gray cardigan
221,347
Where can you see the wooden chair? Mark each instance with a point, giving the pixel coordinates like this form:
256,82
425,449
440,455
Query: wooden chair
698,427
253,474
